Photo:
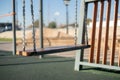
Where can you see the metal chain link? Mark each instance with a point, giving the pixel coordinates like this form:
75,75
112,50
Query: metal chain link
24,25
33,29
76,23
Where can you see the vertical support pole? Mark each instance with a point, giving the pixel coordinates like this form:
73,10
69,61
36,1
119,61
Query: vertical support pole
93,32
81,35
107,32
67,20
41,24
14,28
100,32
114,32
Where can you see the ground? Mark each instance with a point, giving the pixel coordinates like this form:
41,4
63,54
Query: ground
48,68
51,67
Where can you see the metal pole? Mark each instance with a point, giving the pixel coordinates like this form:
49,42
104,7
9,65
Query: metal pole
81,36
24,25
14,29
91,55
41,25
67,21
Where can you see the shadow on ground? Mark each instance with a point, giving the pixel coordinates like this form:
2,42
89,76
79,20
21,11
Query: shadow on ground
48,68
39,62
5,53
101,69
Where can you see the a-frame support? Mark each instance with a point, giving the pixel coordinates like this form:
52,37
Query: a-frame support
81,35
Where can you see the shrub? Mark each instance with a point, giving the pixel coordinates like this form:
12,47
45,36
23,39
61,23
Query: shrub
52,25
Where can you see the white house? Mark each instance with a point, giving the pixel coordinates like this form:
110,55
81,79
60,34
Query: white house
111,23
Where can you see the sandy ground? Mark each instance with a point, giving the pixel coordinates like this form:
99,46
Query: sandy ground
47,33
50,33
7,46
54,32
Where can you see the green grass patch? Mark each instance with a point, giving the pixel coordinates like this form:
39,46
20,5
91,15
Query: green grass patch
5,39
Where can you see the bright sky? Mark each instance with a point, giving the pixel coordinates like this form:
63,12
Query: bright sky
54,10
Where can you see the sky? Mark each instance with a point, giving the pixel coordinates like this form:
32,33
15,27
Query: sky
54,10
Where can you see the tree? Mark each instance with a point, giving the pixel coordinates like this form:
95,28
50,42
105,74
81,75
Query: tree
36,24
88,21
52,24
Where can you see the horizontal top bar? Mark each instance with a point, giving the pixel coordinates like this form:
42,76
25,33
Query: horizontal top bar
91,0
88,1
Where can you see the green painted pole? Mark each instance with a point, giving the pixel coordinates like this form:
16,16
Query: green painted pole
14,28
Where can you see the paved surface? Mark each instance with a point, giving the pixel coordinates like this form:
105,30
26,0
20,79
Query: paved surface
6,46
48,68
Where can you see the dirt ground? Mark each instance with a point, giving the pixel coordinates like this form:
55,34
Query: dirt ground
54,37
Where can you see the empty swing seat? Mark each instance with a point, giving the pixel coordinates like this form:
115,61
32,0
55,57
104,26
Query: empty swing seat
51,50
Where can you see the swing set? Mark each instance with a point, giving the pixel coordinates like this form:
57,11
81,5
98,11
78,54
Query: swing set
81,42
50,50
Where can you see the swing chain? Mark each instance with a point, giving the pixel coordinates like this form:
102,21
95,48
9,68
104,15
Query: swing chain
33,29
76,23
24,25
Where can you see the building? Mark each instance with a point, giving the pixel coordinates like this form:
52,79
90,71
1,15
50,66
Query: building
111,23
5,27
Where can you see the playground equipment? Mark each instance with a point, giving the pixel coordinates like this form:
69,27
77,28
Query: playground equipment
49,50
96,58
79,59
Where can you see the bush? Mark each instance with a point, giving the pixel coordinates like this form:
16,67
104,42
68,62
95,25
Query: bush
52,25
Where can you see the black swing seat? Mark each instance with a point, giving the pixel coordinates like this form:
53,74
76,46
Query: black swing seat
51,50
